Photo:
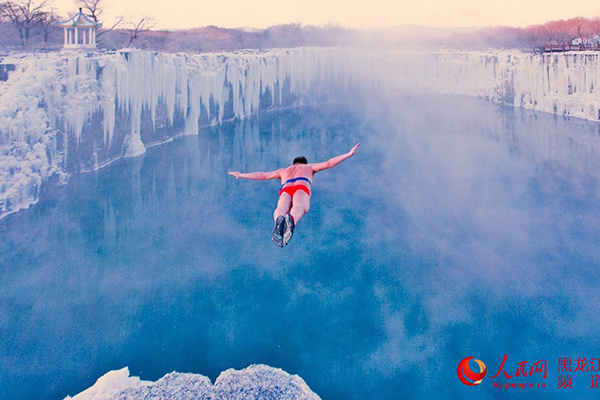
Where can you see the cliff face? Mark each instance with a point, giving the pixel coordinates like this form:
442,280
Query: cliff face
566,84
62,113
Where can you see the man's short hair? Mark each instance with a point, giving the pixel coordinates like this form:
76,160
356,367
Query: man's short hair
300,160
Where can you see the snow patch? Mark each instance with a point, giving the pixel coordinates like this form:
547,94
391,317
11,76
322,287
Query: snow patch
109,385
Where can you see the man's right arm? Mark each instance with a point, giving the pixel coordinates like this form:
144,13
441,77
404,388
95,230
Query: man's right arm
335,160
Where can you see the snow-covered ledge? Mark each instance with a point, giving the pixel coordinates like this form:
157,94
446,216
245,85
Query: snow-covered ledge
253,382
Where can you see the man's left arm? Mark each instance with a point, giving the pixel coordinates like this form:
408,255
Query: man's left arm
258,176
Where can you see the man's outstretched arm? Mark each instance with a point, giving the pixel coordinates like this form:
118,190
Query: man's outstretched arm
335,160
258,176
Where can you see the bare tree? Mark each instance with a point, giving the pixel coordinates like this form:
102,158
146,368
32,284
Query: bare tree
134,29
594,26
118,22
48,24
24,15
95,8
286,35
535,36
562,32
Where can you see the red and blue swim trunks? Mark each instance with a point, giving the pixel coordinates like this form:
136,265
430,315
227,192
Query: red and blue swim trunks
291,190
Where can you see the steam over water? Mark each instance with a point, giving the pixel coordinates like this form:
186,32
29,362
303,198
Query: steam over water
460,229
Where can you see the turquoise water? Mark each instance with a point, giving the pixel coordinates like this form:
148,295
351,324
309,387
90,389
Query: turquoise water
461,229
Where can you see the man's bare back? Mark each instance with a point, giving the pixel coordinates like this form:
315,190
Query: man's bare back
297,171
294,195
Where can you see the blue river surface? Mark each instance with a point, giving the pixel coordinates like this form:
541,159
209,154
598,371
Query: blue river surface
461,229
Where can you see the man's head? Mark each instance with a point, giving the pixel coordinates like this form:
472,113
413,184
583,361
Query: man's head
300,160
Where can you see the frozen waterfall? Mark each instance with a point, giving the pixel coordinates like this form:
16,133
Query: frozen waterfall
73,112
62,113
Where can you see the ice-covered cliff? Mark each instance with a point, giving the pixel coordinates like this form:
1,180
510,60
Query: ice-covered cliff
62,113
566,84
253,382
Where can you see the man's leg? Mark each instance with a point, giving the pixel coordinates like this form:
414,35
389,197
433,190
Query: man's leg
283,205
300,205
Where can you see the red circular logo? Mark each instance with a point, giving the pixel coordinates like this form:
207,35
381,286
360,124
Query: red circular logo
466,374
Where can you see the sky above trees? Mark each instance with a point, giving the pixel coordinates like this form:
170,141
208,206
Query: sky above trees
184,14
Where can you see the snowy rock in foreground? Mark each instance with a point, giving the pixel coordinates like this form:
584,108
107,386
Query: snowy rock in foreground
252,383
110,384
261,382
171,386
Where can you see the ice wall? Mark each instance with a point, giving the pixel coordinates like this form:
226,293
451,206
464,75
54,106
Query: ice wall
566,84
62,113
253,382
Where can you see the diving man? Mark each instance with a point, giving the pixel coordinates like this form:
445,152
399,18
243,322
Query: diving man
294,194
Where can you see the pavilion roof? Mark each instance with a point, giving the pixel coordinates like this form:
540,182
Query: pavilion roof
80,20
